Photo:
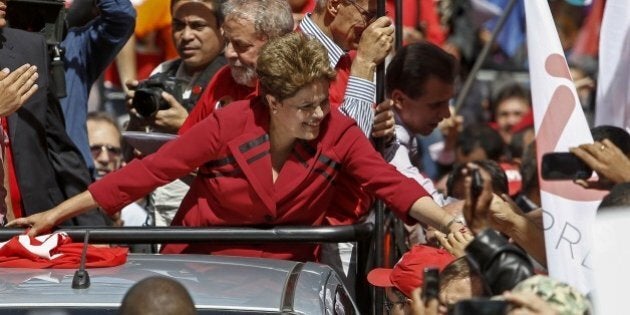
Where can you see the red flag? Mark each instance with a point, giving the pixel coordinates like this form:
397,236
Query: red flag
56,251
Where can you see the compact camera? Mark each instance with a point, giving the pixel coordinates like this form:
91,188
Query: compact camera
148,97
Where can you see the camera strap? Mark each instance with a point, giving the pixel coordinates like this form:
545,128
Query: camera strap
199,84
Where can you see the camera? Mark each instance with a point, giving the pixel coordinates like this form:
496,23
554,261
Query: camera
148,100
564,166
477,183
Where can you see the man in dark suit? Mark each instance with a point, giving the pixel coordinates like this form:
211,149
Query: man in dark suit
43,166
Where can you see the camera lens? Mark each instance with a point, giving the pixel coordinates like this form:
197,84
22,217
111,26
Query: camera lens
147,101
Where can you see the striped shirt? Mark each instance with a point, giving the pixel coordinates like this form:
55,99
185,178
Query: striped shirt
360,93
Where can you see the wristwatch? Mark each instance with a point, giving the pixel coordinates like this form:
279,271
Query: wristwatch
457,219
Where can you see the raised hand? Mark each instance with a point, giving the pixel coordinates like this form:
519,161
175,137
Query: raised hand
384,121
612,166
16,88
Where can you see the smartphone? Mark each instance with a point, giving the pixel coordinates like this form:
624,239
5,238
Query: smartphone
479,306
564,166
477,183
431,283
525,203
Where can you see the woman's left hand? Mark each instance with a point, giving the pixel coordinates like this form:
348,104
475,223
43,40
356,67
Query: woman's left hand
455,242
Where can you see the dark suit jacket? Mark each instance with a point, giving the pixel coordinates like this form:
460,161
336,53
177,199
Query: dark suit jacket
48,166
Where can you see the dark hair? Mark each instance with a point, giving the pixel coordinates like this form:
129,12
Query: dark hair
481,136
499,178
458,269
619,196
414,64
507,91
617,135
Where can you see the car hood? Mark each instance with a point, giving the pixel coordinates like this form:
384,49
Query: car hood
214,282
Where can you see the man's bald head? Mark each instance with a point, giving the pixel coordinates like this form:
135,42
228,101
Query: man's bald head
159,296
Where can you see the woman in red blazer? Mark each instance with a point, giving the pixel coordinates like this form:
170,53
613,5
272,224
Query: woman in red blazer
270,161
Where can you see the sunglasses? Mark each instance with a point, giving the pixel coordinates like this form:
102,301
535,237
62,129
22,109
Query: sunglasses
112,151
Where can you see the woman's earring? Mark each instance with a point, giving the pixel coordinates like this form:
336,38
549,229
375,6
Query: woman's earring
275,111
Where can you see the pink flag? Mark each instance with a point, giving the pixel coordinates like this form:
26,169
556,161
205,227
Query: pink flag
613,87
560,123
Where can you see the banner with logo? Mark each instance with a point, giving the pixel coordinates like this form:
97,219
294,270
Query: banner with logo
559,121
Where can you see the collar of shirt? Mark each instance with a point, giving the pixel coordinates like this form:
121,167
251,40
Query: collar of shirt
191,79
310,28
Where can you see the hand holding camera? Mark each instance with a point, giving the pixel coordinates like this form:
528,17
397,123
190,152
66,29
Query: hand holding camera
425,301
478,197
157,102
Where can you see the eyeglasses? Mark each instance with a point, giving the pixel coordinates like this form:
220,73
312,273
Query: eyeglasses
112,151
402,300
389,306
368,16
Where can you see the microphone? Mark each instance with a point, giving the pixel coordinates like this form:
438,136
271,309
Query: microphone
81,278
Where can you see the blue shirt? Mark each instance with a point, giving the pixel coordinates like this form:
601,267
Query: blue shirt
89,49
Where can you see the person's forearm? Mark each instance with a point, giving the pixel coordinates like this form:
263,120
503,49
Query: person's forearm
363,69
427,211
357,103
530,236
73,207
126,62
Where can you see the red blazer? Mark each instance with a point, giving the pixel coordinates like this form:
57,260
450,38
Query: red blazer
234,184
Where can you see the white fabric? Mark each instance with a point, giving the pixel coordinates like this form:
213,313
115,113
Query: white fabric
613,86
49,242
135,215
404,165
166,201
569,209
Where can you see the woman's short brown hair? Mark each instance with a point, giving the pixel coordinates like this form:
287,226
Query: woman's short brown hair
290,62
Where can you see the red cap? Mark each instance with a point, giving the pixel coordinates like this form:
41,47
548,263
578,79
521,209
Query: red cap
408,272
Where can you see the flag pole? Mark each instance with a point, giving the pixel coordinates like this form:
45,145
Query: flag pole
379,215
482,56
398,24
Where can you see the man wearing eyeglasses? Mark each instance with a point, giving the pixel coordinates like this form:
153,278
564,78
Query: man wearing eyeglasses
104,138
356,42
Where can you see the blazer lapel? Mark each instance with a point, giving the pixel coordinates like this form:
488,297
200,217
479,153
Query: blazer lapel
251,152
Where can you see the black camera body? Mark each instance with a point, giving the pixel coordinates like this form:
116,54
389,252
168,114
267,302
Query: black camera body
431,283
148,99
46,17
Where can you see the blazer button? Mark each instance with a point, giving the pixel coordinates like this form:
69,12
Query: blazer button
268,218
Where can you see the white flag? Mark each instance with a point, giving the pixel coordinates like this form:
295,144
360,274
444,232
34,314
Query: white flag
560,123
613,86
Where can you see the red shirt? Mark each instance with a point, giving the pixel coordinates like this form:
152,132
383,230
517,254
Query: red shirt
221,91
14,189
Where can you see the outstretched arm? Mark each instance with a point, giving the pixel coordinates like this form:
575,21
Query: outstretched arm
43,222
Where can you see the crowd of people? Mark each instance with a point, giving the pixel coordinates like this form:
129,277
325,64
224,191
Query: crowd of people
274,106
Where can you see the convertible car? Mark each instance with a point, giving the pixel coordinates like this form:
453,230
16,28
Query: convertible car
217,284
